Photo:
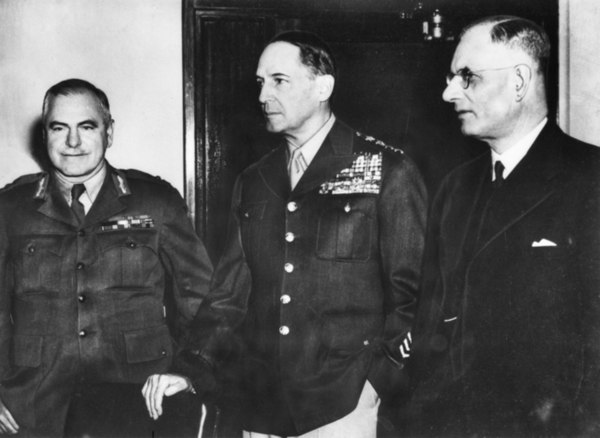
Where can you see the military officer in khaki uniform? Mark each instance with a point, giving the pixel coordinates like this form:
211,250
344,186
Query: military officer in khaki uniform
321,266
100,271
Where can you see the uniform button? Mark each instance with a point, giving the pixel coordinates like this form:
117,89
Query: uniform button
347,207
132,245
366,342
31,249
285,299
80,266
82,333
81,298
284,330
292,206
289,268
81,233
289,237
163,353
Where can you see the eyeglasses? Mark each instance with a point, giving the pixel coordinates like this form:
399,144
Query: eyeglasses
467,75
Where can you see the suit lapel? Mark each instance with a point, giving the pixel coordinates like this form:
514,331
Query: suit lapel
530,184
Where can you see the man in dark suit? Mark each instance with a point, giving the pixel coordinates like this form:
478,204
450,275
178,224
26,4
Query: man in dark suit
100,271
506,333
321,265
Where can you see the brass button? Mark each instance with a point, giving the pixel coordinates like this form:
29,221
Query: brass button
292,206
289,268
285,299
82,333
289,237
284,330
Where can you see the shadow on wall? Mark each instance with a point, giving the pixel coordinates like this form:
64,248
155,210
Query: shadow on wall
37,146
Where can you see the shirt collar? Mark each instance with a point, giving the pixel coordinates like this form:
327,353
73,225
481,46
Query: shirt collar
313,144
92,185
512,156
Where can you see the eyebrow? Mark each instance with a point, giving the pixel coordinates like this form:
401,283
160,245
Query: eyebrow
92,122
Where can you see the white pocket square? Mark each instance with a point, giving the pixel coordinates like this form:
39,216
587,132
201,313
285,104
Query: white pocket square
543,242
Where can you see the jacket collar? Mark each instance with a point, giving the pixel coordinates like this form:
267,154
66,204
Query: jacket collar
335,154
111,200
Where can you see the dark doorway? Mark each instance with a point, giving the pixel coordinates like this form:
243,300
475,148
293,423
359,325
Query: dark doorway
389,85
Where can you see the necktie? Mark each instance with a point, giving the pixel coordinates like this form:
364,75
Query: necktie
498,171
296,167
77,207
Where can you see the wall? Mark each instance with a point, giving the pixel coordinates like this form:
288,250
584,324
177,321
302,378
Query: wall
129,48
132,50
579,101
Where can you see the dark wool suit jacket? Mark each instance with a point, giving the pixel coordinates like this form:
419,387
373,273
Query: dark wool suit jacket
321,286
88,301
508,326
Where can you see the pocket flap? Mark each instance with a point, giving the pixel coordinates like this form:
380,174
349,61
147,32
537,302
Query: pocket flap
148,344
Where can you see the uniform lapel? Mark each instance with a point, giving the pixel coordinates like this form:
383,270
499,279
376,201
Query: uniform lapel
273,171
529,185
112,199
334,155
55,205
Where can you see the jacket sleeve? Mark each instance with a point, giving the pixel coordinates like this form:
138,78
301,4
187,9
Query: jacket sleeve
186,261
211,343
402,215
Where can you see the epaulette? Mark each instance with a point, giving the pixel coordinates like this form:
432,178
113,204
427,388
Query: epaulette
41,178
379,144
138,174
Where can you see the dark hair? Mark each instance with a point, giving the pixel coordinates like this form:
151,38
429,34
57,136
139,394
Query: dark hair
77,86
518,32
314,52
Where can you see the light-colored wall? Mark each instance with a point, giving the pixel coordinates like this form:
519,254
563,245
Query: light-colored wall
132,50
579,64
129,48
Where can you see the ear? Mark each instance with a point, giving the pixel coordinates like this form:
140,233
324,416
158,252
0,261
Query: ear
325,84
109,133
523,76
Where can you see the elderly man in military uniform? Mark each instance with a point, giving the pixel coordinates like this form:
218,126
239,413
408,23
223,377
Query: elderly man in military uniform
321,266
100,271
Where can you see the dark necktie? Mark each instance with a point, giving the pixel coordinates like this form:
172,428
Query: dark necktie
498,170
77,207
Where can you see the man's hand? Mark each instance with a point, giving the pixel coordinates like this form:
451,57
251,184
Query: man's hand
158,386
8,425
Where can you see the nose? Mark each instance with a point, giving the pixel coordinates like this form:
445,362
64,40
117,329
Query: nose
264,94
452,90
73,138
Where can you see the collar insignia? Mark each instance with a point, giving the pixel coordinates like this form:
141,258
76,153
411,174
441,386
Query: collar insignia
363,176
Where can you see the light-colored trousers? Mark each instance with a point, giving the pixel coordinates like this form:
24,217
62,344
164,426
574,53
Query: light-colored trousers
360,423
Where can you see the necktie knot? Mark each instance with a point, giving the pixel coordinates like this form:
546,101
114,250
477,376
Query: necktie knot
77,190
76,206
296,167
498,173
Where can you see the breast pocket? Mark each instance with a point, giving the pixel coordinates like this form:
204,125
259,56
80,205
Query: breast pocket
252,226
345,230
129,258
38,263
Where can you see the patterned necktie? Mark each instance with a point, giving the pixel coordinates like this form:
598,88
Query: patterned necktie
296,167
77,207
498,171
